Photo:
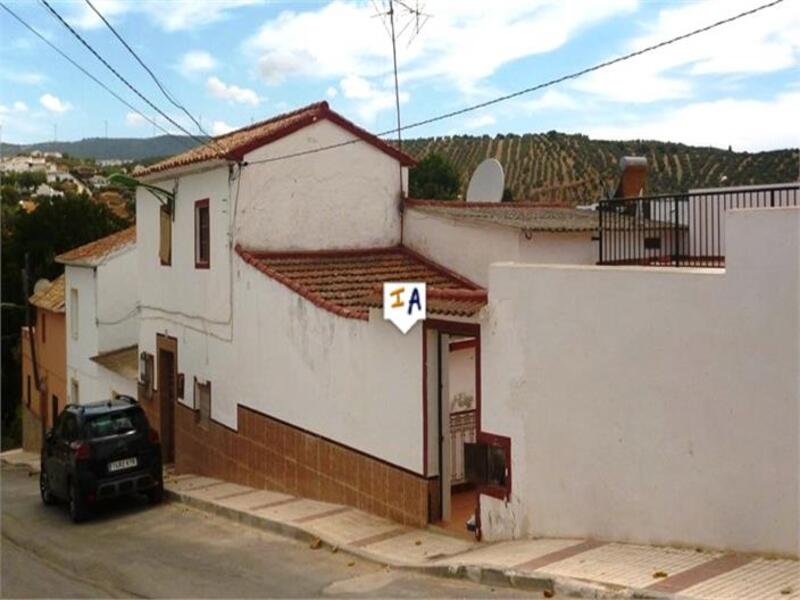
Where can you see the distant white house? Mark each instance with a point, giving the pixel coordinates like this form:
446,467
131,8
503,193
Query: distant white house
102,324
46,190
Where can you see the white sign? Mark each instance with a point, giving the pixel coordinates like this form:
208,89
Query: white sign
404,303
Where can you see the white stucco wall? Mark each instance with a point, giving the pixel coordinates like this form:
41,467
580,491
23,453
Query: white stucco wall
79,351
469,248
354,382
180,289
107,320
342,198
663,410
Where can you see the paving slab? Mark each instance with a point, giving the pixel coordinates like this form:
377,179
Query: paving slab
757,580
253,498
627,565
217,491
420,547
352,526
510,553
570,567
290,511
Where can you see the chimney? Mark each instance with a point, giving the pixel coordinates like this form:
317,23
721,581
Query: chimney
632,177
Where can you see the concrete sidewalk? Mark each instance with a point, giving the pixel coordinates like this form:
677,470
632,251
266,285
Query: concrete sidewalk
570,567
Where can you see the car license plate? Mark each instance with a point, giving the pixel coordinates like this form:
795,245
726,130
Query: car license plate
119,465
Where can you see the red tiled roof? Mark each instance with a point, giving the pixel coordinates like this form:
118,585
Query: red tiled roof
52,297
93,253
235,144
348,282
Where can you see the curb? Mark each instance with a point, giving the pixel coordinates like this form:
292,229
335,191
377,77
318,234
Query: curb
476,573
33,469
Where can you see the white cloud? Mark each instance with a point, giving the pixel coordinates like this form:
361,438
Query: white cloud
196,61
751,125
220,127
480,122
25,78
179,15
369,100
54,104
20,106
331,92
17,107
465,41
230,92
135,119
551,100
766,42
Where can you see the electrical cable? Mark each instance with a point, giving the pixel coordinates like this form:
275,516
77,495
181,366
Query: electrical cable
85,72
534,88
168,95
97,55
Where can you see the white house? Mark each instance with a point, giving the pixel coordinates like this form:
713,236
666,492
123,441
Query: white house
102,318
265,358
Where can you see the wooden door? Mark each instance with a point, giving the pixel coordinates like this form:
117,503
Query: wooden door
167,396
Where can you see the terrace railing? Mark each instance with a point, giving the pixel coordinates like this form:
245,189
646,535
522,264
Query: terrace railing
678,230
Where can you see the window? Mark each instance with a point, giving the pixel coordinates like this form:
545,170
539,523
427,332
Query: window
165,239
202,227
202,403
43,319
73,313
116,423
75,392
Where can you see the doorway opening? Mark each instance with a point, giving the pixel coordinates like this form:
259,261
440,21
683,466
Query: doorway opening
167,348
453,399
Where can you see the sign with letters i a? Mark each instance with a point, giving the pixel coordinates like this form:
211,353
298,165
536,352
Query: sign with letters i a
404,303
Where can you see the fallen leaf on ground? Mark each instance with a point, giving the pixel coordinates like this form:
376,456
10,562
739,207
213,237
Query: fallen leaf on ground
334,549
547,594
418,543
352,563
315,543
659,575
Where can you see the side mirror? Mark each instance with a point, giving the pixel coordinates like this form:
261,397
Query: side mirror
48,436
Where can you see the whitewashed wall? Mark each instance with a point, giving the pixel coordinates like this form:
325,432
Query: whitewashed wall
469,248
355,382
79,351
107,320
343,198
117,301
663,410
181,290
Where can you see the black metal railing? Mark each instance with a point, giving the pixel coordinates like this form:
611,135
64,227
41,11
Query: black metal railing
678,230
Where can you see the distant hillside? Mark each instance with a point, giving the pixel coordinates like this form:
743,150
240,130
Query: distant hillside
543,167
104,148
573,169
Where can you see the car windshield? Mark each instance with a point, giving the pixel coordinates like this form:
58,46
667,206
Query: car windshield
115,423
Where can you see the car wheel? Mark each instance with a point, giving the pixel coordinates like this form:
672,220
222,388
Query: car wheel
77,505
156,495
44,488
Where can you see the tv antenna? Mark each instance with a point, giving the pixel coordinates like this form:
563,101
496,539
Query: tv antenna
412,14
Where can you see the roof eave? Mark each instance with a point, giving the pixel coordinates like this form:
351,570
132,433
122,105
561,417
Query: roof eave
180,170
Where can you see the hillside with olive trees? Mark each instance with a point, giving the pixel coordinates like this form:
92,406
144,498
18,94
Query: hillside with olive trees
573,169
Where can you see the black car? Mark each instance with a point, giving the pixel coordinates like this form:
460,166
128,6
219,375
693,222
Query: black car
99,451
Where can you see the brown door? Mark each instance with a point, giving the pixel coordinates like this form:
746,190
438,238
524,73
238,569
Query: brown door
167,396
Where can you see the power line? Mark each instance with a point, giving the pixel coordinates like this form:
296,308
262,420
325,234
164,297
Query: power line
540,86
83,70
58,17
164,91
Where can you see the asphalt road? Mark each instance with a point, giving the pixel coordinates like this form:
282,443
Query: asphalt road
131,549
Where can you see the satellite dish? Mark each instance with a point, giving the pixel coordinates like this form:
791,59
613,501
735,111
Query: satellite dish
487,182
41,285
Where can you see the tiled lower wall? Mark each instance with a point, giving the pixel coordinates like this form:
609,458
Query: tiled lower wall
266,453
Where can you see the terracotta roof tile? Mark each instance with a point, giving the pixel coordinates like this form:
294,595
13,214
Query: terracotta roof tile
348,282
52,297
532,217
93,253
235,144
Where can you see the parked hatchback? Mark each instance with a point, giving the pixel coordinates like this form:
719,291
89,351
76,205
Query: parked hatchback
99,451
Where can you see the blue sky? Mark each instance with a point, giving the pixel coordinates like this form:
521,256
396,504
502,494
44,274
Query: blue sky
234,61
